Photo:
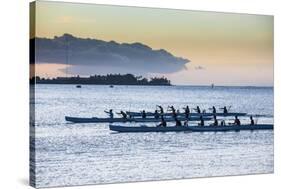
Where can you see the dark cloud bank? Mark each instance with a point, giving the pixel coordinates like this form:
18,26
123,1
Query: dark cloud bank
92,56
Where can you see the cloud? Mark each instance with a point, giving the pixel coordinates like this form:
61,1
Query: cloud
94,56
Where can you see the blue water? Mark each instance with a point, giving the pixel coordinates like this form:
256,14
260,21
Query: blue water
77,154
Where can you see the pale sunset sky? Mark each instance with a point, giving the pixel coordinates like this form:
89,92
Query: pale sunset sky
223,48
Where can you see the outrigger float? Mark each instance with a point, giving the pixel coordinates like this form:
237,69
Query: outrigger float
143,128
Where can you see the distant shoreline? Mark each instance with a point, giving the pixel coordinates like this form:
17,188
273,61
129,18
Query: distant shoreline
191,86
126,79
234,86
110,79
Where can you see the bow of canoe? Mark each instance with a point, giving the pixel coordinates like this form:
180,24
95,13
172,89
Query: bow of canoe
93,120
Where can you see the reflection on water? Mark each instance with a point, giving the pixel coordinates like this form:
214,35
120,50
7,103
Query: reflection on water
75,154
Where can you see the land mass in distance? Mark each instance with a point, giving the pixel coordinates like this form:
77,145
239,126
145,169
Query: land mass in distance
110,79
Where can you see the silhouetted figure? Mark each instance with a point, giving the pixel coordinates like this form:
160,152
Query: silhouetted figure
186,115
187,112
201,121
252,120
185,123
178,122
198,110
172,109
215,121
174,114
225,110
237,121
163,122
214,110
110,113
156,114
143,114
124,115
161,109
222,123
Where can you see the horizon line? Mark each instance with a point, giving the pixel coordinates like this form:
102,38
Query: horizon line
184,85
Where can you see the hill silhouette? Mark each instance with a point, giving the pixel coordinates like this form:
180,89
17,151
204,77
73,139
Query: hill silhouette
83,54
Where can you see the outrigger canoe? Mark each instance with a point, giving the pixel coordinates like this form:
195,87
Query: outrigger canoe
119,128
93,120
138,114
113,120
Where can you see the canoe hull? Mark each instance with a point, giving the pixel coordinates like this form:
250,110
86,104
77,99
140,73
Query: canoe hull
114,120
232,128
147,129
119,128
93,120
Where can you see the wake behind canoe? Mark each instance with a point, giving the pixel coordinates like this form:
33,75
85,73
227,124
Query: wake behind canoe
113,120
119,128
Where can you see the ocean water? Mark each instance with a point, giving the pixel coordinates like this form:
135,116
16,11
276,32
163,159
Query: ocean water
78,154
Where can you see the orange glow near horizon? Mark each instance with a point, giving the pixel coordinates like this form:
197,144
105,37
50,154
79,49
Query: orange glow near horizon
230,49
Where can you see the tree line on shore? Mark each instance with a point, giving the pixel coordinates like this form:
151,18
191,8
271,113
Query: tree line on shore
110,79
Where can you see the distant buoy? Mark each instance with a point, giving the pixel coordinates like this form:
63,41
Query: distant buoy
78,86
111,86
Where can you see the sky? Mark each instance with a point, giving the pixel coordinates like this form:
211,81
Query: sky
223,48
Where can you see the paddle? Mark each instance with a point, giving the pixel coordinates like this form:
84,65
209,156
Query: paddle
184,108
229,107
168,109
120,113
158,106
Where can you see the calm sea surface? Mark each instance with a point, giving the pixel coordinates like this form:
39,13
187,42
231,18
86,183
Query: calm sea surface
77,154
